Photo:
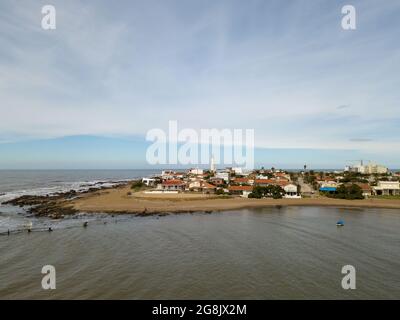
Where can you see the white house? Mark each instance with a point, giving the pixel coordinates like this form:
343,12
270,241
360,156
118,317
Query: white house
196,171
172,185
222,175
237,170
149,181
195,185
387,188
291,191
167,174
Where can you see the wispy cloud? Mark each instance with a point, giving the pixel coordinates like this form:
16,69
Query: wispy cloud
360,140
286,69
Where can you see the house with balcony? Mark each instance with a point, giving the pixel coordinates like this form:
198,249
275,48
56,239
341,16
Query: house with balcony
387,188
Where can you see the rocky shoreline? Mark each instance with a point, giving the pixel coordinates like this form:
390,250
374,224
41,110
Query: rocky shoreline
54,206
118,199
61,204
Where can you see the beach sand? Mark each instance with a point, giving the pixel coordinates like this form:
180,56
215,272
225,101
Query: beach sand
117,200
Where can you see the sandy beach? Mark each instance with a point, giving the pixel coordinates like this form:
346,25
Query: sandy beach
117,200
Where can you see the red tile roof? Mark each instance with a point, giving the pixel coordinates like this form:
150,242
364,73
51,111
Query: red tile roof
264,181
281,183
240,188
364,186
173,182
207,185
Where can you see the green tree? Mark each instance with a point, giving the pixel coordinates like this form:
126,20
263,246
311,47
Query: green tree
350,192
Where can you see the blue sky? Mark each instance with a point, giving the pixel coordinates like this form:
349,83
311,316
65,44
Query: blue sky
84,95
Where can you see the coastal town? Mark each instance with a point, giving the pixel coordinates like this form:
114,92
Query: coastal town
354,182
213,189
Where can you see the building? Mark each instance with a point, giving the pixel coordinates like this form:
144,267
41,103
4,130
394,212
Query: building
242,181
208,187
172,185
195,185
282,176
217,181
328,189
167,174
370,168
149,181
264,182
327,184
270,182
212,165
201,186
291,191
222,175
243,191
366,189
196,171
237,170
170,174
387,188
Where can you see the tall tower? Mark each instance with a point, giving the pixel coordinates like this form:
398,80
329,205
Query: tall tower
212,164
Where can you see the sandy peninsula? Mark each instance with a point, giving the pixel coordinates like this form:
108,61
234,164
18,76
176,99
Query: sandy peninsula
119,200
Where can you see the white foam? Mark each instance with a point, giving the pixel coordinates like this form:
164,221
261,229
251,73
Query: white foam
78,186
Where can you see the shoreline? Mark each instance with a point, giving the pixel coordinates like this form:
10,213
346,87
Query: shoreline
116,201
256,203
122,200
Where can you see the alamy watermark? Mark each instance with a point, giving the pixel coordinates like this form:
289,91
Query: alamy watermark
349,19
49,280
49,17
349,280
188,146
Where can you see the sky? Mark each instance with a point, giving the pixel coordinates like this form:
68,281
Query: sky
85,94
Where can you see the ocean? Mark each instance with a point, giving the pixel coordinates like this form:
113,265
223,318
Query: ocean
266,253
15,183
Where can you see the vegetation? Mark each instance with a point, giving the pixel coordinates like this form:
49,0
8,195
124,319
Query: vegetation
137,185
353,177
293,177
311,179
275,192
349,192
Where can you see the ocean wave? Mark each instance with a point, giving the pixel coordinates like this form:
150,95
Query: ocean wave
79,186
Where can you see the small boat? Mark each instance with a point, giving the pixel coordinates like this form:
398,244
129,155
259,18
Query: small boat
340,223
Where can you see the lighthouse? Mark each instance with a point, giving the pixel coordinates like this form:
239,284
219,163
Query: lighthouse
212,164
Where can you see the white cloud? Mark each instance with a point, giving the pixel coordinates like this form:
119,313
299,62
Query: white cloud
124,69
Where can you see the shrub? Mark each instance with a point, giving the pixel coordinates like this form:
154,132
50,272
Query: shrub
275,192
137,185
349,192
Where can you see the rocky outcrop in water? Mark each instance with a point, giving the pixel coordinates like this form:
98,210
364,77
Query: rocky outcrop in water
55,206
52,206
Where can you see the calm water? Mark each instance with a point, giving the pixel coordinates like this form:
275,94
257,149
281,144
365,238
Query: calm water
294,252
